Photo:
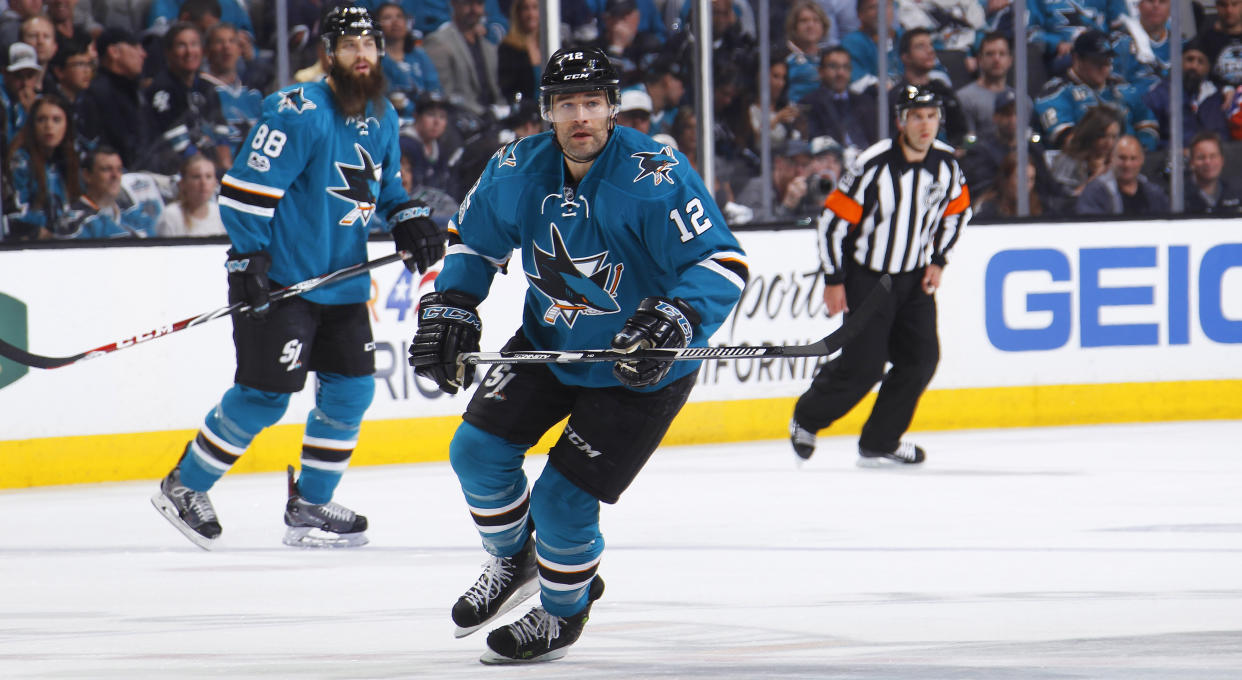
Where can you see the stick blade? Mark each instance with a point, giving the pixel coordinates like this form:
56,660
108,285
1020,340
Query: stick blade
852,326
25,358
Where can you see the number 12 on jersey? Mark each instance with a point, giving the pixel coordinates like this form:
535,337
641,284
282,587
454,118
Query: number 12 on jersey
694,211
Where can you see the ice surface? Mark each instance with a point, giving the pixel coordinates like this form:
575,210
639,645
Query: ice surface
1091,552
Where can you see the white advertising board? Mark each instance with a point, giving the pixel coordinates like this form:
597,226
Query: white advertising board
1020,305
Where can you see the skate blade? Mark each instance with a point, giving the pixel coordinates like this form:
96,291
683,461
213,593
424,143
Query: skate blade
491,658
518,597
310,537
165,507
887,463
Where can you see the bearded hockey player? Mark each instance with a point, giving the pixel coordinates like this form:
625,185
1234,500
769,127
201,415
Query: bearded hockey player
312,178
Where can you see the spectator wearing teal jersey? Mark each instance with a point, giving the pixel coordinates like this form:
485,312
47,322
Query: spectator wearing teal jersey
806,28
43,171
862,45
407,68
105,210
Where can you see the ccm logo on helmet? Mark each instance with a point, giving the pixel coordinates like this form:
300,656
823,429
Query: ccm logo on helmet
577,76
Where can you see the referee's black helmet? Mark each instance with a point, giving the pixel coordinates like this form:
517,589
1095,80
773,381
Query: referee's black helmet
917,97
578,69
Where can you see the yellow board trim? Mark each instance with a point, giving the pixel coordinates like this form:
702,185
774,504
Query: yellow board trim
149,455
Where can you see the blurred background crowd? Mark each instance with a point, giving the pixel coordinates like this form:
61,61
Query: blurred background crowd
117,117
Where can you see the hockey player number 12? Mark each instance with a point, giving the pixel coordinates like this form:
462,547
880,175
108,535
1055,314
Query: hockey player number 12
694,209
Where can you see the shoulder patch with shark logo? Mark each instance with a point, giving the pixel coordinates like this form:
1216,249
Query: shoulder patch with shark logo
656,165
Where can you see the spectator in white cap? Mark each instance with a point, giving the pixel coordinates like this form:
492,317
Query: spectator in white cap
635,110
22,79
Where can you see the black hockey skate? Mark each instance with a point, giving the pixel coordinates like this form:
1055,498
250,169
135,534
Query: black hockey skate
906,454
803,441
188,510
539,636
505,583
330,525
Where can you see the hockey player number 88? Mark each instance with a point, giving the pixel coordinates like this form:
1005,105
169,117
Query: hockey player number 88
694,209
269,142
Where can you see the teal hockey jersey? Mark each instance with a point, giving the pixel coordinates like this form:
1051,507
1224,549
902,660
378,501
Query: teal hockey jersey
639,223
309,183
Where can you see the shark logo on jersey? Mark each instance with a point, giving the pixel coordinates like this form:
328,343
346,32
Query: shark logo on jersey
655,164
575,285
294,100
357,189
508,159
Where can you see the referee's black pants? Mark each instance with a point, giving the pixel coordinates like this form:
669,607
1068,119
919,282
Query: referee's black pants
903,333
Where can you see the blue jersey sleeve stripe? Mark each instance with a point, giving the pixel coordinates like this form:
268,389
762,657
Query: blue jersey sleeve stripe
463,249
251,187
226,202
241,196
725,272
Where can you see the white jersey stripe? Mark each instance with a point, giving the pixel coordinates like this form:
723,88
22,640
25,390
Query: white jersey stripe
324,465
333,444
252,187
219,442
207,459
492,512
712,265
226,202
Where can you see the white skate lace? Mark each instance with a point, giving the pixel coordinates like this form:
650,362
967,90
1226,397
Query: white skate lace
535,625
336,511
200,505
497,572
906,451
800,435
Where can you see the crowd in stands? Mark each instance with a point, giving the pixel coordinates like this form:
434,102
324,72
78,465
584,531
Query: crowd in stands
117,117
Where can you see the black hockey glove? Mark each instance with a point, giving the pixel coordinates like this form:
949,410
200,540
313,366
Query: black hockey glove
659,322
413,230
448,324
248,281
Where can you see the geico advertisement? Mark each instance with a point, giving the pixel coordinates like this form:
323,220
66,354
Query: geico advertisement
1028,305
1091,303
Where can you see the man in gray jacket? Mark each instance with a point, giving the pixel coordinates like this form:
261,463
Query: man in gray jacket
464,58
1123,190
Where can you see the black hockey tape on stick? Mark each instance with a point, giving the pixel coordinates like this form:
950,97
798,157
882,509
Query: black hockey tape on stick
21,356
823,347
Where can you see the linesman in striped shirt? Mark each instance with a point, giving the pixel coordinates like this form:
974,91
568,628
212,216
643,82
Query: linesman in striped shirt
899,211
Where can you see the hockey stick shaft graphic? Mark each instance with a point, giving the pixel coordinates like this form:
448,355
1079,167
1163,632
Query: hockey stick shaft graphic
825,346
21,356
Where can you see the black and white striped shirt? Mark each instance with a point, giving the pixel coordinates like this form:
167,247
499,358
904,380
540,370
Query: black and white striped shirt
892,215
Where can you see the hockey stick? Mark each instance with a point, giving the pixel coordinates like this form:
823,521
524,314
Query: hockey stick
825,346
38,361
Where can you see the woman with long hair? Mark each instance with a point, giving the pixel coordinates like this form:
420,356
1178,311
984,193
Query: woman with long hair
1085,155
785,117
195,213
44,170
1002,199
518,55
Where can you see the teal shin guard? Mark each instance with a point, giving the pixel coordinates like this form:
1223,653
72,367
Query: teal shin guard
332,432
490,471
227,431
568,541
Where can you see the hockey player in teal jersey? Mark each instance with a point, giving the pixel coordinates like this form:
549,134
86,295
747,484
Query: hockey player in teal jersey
621,245
320,165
